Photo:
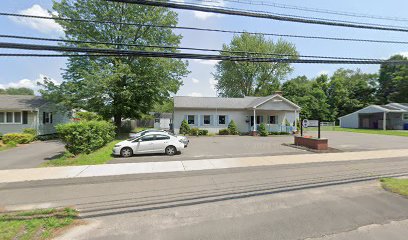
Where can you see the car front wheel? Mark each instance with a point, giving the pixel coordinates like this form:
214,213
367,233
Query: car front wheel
171,150
126,152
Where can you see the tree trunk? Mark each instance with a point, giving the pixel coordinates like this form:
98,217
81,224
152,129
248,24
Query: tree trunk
118,122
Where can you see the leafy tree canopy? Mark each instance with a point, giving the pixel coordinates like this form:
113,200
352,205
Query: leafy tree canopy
118,87
238,79
17,91
393,82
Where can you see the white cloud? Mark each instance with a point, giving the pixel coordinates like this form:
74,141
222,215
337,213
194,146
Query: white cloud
195,94
206,62
195,80
213,83
323,72
27,83
205,15
405,54
42,25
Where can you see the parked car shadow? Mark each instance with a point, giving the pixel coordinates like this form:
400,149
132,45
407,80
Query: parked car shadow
145,155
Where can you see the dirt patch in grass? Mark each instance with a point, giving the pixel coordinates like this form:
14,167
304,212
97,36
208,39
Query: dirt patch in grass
395,185
36,224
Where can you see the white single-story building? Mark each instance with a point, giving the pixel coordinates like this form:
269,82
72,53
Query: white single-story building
393,116
215,113
18,112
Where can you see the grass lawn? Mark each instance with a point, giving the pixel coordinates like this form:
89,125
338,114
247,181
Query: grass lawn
6,146
395,185
37,224
403,133
100,156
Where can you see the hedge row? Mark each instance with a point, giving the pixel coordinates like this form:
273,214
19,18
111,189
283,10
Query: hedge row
85,136
17,138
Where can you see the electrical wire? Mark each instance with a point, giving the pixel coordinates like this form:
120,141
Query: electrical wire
240,12
207,29
178,48
155,54
314,10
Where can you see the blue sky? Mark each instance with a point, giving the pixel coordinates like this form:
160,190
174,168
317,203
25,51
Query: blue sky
16,72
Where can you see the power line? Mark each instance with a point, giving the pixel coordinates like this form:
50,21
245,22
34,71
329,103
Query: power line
314,10
207,29
154,54
240,12
179,48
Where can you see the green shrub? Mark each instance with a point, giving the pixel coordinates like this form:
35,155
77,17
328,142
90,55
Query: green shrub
224,132
85,136
31,131
1,135
194,131
262,130
88,116
18,138
47,137
203,132
184,128
232,128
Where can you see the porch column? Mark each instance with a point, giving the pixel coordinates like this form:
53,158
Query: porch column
254,120
295,127
385,121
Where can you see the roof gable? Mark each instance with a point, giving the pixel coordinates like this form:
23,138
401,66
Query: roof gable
225,103
20,102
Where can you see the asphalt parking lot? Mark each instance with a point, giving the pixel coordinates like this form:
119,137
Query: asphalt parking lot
243,146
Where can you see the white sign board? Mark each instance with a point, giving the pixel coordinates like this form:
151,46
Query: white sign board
310,123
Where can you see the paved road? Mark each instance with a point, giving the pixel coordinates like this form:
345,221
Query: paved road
245,146
30,155
280,202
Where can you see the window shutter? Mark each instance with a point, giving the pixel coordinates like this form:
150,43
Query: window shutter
44,113
25,117
195,120
227,120
212,122
50,117
202,120
216,121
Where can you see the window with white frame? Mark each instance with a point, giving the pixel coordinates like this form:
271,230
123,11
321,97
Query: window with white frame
47,117
221,119
190,119
272,119
405,116
10,117
207,119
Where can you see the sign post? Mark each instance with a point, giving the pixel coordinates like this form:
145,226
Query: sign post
310,123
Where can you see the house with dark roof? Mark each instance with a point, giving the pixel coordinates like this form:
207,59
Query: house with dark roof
393,116
18,112
215,113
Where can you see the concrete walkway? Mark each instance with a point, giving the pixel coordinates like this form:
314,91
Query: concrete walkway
20,175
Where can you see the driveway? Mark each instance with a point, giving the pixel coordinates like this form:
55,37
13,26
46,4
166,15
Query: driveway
223,147
30,155
245,146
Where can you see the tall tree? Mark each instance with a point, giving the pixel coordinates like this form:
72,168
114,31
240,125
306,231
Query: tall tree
118,87
309,95
238,79
17,91
350,90
393,82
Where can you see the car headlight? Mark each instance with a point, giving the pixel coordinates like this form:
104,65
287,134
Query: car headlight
117,145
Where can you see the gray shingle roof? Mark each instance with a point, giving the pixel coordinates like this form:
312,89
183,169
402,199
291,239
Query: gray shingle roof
218,102
20,102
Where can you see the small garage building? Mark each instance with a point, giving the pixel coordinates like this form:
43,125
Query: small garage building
393,116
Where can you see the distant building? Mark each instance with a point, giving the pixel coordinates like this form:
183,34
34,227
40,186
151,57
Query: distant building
393,116
215,113
18,112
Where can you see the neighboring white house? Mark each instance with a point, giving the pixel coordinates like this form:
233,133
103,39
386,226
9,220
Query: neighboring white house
214,113
18,112
393,116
